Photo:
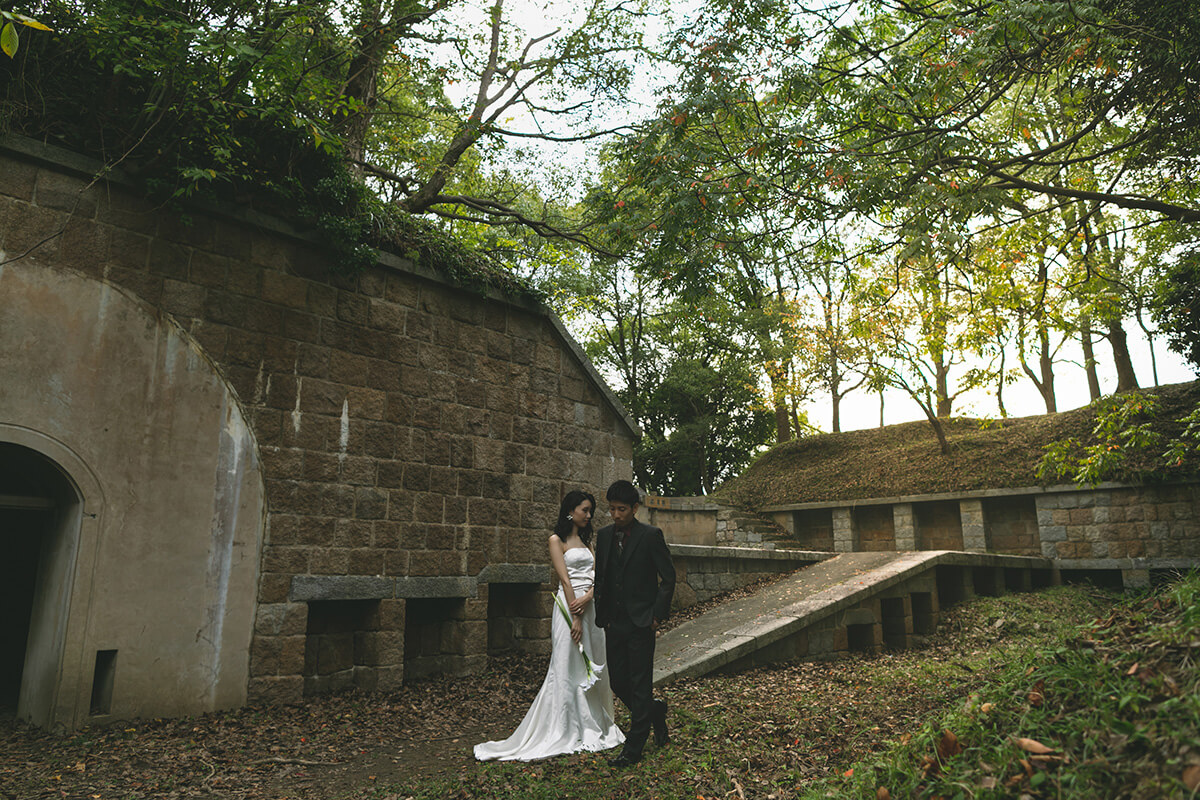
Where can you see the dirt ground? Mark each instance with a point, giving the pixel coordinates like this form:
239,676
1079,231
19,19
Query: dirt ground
319,749
315,750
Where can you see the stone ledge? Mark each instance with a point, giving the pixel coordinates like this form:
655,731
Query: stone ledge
514,573
1127,563
309,588
664,503
316,588
749,553
972,494
436,587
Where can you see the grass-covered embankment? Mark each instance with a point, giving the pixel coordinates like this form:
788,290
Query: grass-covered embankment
1110,712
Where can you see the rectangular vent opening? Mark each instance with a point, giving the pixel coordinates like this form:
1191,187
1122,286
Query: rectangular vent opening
102,682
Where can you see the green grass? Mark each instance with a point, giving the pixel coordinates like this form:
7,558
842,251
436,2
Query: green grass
1117,706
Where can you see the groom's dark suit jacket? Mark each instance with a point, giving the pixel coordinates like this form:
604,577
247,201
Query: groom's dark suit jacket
641,577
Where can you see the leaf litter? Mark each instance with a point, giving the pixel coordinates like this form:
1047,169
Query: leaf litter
763,734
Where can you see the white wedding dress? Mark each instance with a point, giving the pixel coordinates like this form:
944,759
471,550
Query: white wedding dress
573,711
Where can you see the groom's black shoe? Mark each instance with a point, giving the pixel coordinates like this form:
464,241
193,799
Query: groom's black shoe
622,761
662,737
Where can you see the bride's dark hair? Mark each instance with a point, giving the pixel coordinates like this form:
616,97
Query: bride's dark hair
564,525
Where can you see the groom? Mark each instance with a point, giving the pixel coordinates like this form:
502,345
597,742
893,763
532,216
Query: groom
634,583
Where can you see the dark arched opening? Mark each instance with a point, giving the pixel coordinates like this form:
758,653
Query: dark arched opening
36,509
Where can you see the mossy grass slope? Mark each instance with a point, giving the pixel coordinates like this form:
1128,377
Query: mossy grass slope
905,459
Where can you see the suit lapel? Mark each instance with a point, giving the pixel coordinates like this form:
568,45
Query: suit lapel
632,543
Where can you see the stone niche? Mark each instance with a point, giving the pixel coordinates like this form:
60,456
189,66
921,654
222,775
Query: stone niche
939,525
814,528
874,528
1012,525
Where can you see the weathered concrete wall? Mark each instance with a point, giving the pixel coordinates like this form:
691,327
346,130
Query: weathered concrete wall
703,522
684,520
167,471
407,429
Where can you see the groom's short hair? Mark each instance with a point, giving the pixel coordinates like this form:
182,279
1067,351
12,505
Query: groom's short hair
623,492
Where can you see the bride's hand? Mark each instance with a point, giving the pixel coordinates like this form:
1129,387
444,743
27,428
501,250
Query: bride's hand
580,603
576,630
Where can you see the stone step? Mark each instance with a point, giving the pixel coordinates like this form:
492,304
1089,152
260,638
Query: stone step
738,528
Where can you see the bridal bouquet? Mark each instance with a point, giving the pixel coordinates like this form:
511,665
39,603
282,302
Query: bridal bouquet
593,674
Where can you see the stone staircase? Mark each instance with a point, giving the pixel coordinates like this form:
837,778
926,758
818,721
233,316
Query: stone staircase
737,527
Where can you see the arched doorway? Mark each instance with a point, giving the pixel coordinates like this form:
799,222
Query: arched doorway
143,515
39,539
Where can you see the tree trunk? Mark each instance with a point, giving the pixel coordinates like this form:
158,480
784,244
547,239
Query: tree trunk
376,36
1126,378
936,421
1089,357
1046,368
1149,342
783,422
1000,387
835,385
944,403
777,375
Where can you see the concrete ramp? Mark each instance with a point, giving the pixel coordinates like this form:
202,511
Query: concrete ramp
853,602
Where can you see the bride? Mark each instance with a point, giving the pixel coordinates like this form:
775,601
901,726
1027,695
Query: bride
573,711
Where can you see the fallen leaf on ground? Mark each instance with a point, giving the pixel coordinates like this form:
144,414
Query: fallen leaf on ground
948,746
1032,746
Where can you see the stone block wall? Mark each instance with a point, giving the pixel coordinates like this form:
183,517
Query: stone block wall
519,617
701,572
874,528
1132,532
406,427
938,525
1012,525
1144,522
813,529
